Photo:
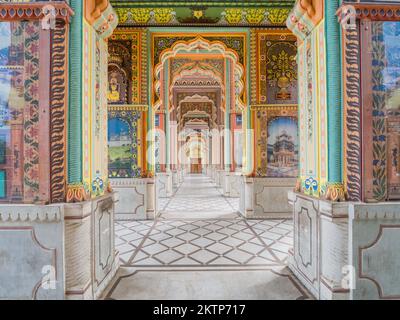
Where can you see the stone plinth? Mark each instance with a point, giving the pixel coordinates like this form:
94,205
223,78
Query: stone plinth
90,257
136,198
265,198
374,239
57,252
231,184
320,245
346,250
164,184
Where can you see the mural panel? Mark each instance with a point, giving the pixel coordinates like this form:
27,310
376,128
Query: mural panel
277,141
277,68
382,110
128,64
123,142
282,149
19,111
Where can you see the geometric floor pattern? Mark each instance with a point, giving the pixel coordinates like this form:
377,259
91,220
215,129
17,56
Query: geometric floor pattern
204,242
199,235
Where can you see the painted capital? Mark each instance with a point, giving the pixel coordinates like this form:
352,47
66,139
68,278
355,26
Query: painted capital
94,9
335,192
77,193
306,14
101,15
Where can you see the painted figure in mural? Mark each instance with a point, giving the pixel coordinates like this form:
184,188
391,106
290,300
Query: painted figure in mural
113,90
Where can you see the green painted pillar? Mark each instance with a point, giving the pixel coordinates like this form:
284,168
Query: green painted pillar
227,135
150,152
75,96
335,190
167,120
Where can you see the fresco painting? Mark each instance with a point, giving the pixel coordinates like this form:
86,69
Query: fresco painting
282,147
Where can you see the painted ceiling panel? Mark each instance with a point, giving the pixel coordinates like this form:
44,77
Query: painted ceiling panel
208,13
211,3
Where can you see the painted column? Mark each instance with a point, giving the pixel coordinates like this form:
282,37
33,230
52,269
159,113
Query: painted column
167,118
227,135
335,190
75,99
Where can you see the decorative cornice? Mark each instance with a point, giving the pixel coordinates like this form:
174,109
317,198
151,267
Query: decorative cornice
35,10
127,107
271,107
128,182
243,16
370,11
31,213
375,211
207,3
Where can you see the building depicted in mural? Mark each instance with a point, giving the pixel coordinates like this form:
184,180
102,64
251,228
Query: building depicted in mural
211,134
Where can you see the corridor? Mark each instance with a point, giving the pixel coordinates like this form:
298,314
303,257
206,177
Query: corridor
197,245
198,197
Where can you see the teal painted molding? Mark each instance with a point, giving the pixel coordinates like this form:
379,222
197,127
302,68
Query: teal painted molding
206,3
75,95
150,113
227,135
197,29
334,92
167,116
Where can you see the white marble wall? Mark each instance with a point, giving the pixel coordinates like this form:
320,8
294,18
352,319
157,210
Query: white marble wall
91,260
263,198
319,255
61,251
31,252
346,250
374,250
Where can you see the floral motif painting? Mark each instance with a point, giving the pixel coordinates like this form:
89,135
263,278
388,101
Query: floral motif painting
277,67
19,109
382,177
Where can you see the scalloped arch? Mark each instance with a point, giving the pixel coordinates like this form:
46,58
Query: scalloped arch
199,44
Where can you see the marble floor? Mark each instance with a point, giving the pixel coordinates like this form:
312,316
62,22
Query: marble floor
198,198
197,245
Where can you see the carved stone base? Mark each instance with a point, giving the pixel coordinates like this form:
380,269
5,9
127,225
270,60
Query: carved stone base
320,252
374,250
164,184
63,251
136,198
346,250
90,256
175,179
231,184
180,176
219,178
265,198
